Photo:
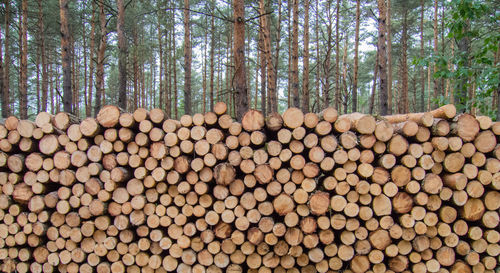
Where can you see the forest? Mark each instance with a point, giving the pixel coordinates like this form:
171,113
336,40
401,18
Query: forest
378,56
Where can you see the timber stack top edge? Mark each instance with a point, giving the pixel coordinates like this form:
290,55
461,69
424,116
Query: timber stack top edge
297,192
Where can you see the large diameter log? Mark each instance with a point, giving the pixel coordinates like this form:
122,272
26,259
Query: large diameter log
108,116
253,120
465,126
293,118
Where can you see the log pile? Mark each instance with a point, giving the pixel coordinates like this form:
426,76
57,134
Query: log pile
139,192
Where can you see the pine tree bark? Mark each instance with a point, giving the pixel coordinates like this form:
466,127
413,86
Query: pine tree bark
23,91
295,54
382,57
240,82
327,62
122,56
263,65
337,55
90,82
135,65
99,94
404,63
66,57
273,69
6,66
422,72
174,63
389,59
2,86
305,80
356,61
212,58
187,60
45,80
436,81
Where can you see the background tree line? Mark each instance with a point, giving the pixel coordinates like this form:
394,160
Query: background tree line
377,56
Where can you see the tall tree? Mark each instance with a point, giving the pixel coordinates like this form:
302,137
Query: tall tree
45,78
99,94
122,56
88,108
295,54
267,59
389,59
327,61
263,57
422,72
240,82
356,61
212,58
382,57
404,62
273,69
66,57
23,91
6,66
187,60
337,56
305,81
2,87
436,80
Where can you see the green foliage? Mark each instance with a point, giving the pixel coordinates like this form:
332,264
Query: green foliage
474,27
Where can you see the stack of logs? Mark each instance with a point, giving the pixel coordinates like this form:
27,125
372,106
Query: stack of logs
138,192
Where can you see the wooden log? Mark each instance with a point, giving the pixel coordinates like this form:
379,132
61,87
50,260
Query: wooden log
253,120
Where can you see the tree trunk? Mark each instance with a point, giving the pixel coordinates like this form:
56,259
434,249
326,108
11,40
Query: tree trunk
356,61
23,91
273,68
212,53
263,60
382,58
6,66
289,87
389,59
422,72
5,106
327,61
374,86
318,62
404,63
187,60
90,82
337,56
174,62
462,83
66,57
305,81
436,81
122,56
240,81
267,61
45,78
295,54
100,60
135,66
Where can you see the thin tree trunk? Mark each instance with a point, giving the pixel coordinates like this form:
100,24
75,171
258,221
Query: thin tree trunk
422,73
122,56
273,67
6,66
263,61
289,88
337,56
2,87
239,59
436,81
356,61
327,62
187,60
23,90
85,78
374,86
382,55
257,67
204,72
389,59
212,53
99,94
90,82
295,54
66,56
135,64
305,81
174,62
345,94
318,62
37,64
404,63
